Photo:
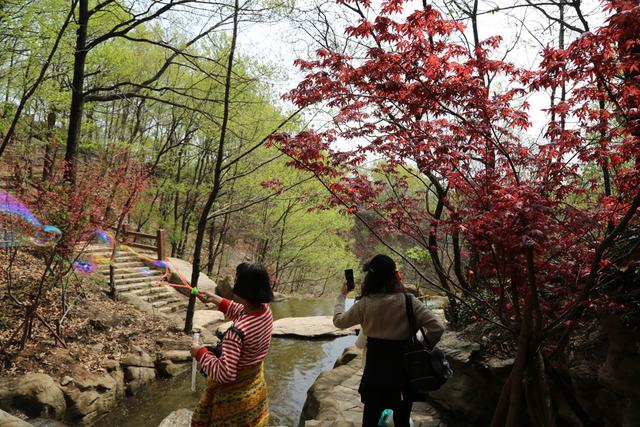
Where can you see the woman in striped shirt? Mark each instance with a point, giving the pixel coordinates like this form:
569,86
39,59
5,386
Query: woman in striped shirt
237,393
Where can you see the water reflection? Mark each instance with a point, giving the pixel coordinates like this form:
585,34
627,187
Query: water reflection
291,368
302,307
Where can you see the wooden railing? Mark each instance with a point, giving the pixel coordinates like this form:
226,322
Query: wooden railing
156,242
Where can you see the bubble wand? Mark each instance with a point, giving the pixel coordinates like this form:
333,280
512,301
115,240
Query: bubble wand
194,364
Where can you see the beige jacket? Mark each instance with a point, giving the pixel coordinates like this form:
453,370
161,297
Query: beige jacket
384,316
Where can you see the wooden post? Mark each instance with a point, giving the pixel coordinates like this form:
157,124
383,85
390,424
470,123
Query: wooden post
160,244
112,284
125,230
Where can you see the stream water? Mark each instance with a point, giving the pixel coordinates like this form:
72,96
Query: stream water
290,369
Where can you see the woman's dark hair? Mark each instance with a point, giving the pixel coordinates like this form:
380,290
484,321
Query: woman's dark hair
381,276
253,283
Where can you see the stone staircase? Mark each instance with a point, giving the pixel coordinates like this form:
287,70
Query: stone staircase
131,280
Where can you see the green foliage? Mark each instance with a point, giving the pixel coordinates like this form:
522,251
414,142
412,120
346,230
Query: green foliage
173,125
419,255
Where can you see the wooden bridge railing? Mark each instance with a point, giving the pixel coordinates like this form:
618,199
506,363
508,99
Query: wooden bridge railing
156,242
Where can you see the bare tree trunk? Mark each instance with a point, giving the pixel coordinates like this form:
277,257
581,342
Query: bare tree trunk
77,93
47,167
202,223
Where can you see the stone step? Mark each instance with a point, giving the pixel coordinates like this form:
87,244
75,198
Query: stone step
118,272
150,279
160,296
120,254
137,274
177,307
118,258
128,287
128,273
164,302
129,265
141,289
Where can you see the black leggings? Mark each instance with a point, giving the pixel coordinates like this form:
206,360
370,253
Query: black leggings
373,412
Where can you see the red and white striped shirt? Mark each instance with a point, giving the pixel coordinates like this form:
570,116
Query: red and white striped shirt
237,352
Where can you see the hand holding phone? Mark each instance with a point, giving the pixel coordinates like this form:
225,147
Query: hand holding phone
348,275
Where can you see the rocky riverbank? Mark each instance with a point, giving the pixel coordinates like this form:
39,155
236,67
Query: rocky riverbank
83,397
467,398
333,400
112,349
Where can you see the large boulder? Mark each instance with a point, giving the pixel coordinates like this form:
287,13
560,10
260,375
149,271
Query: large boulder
115,371
181,270
89,396
7,391
180,342
604,374
169,369
138,358
225,287
38,395
333,399
179,418
8,420
139,370
175,356
207,319
137,378
173,362
471,394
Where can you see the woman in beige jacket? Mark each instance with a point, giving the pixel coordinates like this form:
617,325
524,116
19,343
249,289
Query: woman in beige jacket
382,314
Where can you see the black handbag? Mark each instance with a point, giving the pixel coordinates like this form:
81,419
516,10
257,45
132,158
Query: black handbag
426,367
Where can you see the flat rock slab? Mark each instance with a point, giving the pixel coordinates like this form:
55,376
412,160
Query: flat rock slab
178,418
313,327
310,327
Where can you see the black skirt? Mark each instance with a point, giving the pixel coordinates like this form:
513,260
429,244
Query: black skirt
384,378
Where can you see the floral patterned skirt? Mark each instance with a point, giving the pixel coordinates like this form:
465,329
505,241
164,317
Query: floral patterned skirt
242,403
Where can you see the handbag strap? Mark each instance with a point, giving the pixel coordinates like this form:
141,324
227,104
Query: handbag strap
413,324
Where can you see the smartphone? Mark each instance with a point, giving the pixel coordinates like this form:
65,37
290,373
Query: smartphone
348,275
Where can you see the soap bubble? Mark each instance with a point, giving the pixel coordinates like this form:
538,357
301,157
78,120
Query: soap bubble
146,271
13,206
103,237
159,263
47,236
44,235
84,266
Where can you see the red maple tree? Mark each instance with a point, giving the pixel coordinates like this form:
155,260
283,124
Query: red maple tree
106,191
528,227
